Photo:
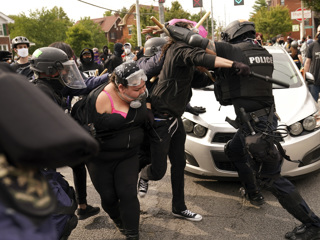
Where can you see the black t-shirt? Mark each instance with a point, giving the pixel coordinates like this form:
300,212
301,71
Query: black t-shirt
313,53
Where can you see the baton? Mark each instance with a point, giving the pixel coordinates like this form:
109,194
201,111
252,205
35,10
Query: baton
269,79
202,20
161,26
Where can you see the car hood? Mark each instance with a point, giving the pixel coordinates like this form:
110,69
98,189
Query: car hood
292,105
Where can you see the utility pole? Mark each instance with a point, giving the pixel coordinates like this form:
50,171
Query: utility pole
138,23
302,21
212,27
161,15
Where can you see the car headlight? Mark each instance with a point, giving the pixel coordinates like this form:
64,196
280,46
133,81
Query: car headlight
199,130
188,125
296,128
309,123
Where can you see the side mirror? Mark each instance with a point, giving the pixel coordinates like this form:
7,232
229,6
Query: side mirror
309,78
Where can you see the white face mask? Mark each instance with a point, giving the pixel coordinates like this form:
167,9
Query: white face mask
127,51
23,52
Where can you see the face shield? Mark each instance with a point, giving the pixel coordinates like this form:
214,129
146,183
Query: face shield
71,76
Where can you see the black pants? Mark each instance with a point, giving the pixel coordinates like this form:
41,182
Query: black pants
80,182
116,183
167,138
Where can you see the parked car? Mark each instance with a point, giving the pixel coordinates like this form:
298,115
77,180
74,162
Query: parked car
209,132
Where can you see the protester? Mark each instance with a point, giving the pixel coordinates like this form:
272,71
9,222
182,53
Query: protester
312,65
168,101
119,117
21,46
96,55
88,64
115,59
129,55
105,54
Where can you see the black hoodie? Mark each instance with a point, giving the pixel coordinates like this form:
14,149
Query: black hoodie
89,67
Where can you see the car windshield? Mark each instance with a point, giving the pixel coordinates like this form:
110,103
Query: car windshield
284,70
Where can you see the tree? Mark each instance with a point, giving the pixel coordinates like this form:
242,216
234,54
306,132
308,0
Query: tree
96,39
272,22
258,4
42,27
107,13
79,37
176,11
313,4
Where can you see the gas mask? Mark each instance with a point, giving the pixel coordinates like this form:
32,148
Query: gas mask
23,52
137,102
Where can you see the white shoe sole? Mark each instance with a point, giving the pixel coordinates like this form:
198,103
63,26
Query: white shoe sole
190,219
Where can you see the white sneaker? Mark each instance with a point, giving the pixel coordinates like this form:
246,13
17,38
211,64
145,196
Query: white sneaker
143,187
187,214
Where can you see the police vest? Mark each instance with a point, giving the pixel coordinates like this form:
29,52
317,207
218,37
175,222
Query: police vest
235,86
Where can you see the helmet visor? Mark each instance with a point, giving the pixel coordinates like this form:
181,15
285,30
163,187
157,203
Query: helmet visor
71,76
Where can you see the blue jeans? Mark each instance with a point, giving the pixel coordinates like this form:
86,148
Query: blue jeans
314,90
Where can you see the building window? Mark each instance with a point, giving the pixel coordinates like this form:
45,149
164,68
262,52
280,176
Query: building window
1,30
281,2
130,30
112,35
4,47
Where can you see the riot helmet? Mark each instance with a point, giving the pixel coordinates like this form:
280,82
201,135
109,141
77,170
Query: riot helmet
51,60
236,29
153,45
20,40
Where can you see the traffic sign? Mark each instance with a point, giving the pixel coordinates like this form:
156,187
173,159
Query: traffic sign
238,2
298,14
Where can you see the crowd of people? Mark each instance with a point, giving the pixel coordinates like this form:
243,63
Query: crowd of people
134,103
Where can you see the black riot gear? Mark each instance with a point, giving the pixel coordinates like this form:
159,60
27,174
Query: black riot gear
20,40
237,28
153,45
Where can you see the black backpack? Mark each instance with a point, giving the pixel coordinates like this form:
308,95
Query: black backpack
83,109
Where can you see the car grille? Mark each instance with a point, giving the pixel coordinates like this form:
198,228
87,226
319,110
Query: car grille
221,161
311,157
222,137
225,137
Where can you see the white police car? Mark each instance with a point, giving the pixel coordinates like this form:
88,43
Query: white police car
208,132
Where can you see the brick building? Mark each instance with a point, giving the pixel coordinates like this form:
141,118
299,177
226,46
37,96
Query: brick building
5,42
111,26
309,23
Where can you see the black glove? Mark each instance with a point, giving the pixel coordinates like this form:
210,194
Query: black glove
195,110
241,68
150,116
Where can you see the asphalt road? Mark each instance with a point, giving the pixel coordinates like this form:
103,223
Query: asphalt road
226,215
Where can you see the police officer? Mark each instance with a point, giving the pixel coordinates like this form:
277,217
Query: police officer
254,106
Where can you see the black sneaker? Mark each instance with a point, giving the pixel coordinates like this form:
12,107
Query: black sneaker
88,212
304,232
187,214
256,198
143,187
119,224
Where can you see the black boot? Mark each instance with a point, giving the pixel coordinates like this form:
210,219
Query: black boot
132,234
119,224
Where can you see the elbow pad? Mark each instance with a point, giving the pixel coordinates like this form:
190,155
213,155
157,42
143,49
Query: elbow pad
187,36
